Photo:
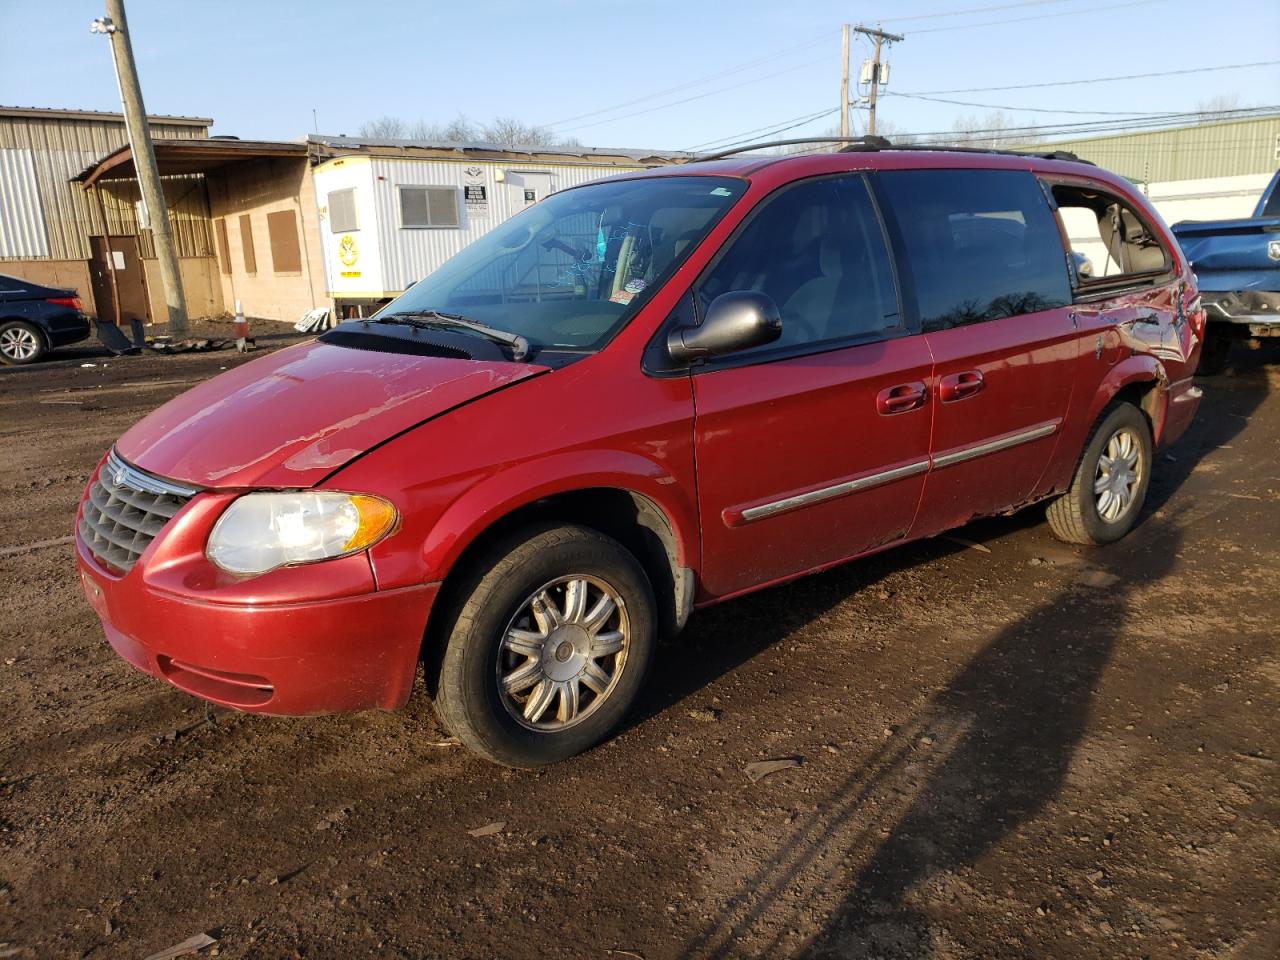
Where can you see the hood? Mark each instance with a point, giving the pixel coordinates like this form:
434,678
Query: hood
291,418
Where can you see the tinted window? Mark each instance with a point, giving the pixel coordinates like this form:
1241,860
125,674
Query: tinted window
980,244
818,250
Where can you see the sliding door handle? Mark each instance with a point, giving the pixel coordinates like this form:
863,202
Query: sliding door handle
958,386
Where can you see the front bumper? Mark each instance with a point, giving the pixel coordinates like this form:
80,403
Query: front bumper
322,656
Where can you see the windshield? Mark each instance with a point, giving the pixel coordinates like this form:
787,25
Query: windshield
568,272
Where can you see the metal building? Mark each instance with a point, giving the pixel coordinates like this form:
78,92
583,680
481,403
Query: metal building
1198,152
54,231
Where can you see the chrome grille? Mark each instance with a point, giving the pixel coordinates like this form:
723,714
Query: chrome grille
125,510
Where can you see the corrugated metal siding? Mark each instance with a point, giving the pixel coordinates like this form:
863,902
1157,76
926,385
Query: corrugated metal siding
21,213
409,255
61,149
1228,149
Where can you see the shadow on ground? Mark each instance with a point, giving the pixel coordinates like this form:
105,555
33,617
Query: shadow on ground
1007,725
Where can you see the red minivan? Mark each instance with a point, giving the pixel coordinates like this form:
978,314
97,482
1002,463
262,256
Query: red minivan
635,398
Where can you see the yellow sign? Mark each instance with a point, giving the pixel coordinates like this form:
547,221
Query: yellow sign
348,253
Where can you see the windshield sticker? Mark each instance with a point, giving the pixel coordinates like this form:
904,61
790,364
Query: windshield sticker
635,286
721,192
622,296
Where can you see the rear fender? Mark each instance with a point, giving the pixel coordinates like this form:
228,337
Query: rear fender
1138,370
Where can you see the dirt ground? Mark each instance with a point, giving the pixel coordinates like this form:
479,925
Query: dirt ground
1008,748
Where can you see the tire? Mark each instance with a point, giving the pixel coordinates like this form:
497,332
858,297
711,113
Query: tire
543,649
1084,515
1214,353
20,343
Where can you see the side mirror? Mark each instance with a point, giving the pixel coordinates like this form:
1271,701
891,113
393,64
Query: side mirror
735,321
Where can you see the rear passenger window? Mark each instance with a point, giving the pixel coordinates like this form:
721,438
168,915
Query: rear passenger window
818,249
980,244
1108,239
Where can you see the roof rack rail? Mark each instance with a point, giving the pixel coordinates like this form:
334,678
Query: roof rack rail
873,143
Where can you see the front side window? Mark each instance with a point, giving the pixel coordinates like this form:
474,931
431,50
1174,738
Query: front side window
569,272
429,207
818,250
980,244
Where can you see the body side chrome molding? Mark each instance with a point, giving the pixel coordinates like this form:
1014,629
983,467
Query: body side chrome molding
961,454
737,516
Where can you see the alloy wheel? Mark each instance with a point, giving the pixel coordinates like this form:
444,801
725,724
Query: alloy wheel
19,343
1118,475
563,652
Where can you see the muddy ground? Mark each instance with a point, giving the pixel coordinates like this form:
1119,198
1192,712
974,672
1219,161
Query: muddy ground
1015,749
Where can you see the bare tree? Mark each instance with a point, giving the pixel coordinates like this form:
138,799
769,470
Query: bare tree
507,131
994,129
511,132
1211,108
384,128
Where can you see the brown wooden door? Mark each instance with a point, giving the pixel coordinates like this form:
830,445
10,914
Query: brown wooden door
130,281
100,280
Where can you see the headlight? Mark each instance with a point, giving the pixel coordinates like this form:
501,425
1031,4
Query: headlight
262,531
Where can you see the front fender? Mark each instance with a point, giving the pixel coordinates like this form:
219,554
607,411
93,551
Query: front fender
517,486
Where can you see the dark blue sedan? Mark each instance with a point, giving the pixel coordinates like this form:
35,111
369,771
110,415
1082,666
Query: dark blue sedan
36,318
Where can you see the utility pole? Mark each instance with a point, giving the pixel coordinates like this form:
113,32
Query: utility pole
880,37
144,161
844,81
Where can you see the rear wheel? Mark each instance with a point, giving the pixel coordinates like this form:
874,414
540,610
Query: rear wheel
20,342
549,647
1110,484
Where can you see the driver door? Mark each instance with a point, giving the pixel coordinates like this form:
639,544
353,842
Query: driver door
814,448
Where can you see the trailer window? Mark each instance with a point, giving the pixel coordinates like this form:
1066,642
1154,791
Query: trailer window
429,207
342,211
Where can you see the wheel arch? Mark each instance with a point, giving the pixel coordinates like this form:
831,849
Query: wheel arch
632,518
1140,380
46,341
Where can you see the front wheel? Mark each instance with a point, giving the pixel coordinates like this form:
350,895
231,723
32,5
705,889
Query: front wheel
549,647
1110,483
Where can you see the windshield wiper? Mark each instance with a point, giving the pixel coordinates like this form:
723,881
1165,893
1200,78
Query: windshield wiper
424,319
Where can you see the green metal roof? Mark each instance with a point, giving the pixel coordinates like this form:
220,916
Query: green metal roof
1226,149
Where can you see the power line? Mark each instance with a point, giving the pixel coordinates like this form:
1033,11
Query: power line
997,106
1114,79
1040,16
693,83
696,96
1105,126
962,13
760,132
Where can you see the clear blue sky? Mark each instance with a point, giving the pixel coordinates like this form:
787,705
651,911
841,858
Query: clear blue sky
258,68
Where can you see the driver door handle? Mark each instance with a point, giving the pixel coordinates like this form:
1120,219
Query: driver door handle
958,386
